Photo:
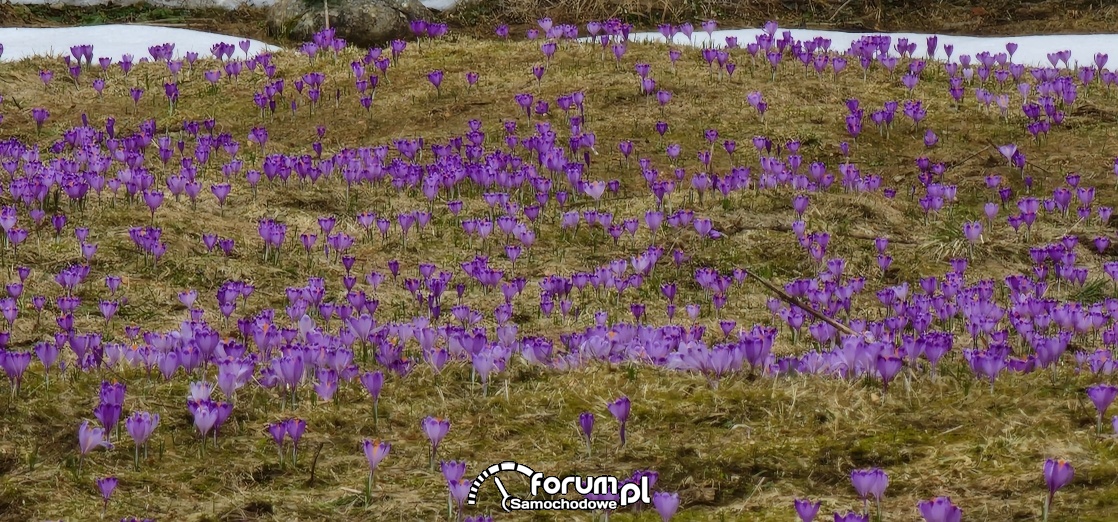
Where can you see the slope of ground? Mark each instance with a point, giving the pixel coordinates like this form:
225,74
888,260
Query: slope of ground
739,450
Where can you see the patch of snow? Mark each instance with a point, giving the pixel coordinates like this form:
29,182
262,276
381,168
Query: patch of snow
439,5
117,40
113,41
1031,50
190,4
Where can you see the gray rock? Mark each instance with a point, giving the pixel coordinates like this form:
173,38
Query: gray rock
363,23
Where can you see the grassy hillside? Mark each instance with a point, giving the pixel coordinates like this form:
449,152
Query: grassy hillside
740,448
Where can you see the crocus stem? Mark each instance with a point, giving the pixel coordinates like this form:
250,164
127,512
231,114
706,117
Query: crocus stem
369,489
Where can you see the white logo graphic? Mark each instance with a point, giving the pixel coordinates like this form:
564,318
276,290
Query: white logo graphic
606,493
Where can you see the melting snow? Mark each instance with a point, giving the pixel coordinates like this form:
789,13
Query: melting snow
113,41
1031,50
117,40
438,5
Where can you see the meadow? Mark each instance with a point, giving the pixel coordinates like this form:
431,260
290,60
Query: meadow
314,283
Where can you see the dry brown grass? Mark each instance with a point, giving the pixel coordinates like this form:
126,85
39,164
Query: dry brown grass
942,16
738,452
477,17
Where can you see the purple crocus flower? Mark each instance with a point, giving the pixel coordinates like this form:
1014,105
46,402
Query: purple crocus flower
806,510
108,414
89,439
459,490
620,410
278,431
452,469
888,366
14,365
221,192
295,429
140,426
1102,395
869,482
436,429
373,383
327,382
1057,474
205,414
939,509
666,504
39,115
375,452
48,353
106,485
436,79
586,426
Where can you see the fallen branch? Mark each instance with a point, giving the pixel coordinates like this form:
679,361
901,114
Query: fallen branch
968,158
1027,162
839,10
784,296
